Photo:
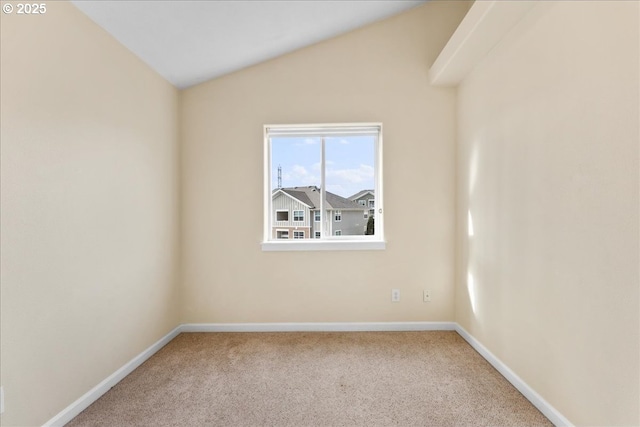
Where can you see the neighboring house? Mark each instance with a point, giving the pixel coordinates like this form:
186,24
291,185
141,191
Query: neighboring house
365,198
296,214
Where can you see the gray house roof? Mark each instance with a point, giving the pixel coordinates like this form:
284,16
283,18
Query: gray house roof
361,193
311,196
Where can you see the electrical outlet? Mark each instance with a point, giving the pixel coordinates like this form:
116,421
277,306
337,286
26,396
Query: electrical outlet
426,296
395,295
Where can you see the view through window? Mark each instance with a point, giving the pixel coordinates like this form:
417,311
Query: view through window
323,182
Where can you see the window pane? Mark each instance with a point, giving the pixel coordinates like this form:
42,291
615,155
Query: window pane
282,234
282,216
295,183
306,162
350,172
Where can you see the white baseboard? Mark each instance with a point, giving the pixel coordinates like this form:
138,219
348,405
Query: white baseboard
319,327
94,394
543,406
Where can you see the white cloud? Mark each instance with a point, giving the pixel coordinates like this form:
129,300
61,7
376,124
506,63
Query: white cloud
299,176
308,141
364,173
299,171
316,166
337,189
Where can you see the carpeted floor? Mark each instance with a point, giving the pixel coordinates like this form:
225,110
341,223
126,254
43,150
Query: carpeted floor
314,379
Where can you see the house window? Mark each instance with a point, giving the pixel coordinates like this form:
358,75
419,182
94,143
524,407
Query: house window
372,203
282,234
323,169
298,234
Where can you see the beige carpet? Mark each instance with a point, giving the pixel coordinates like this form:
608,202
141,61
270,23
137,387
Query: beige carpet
314,379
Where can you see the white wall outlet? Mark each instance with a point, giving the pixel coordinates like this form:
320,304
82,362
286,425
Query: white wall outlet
395,295
1,400
426,296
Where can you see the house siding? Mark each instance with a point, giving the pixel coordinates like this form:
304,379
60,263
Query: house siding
284,202
352,223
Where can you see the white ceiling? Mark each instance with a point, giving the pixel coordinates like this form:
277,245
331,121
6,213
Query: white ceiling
188,42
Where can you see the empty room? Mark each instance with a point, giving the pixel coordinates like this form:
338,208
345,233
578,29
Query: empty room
320,213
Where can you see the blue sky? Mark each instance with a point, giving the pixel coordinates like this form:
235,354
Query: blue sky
349,163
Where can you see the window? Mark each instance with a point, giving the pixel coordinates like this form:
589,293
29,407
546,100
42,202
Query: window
372,203
282,234
322,169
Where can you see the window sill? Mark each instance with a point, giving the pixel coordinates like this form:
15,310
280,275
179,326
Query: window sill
325,245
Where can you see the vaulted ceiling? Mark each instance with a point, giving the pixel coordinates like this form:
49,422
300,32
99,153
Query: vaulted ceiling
188,42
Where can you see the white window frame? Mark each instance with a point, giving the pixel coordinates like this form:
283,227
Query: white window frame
317,217
298,231
326,242
337,233
281,230
317,234
337,216
294,216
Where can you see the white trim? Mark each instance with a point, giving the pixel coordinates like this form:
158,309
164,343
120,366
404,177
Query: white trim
282,210
282,229
532,396
298,231
323,129
326,224
484,25
294,215
322,245
319,327
71,411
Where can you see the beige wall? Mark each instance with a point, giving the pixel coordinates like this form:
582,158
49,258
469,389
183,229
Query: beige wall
548,167
89,217
376,74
